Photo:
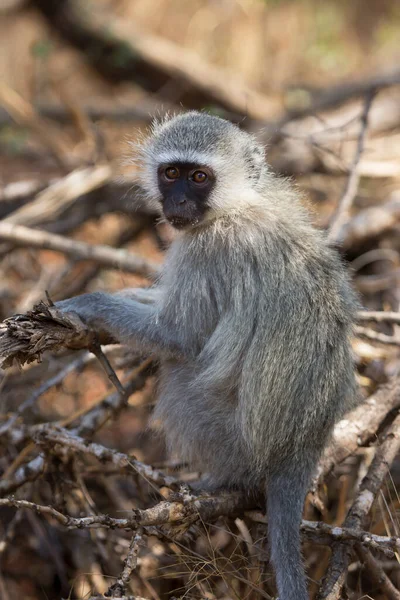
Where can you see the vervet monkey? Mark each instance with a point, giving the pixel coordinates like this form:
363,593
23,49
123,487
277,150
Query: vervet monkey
251,318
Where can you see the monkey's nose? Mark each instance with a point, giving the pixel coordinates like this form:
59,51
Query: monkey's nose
176,208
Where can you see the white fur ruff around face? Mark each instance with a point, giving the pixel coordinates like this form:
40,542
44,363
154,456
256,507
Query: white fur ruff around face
235,157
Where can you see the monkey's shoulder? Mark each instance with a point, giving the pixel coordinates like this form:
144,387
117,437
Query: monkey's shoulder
232,263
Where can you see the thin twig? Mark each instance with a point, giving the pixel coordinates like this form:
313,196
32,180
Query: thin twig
118,589
375,336
49,383
105,363
342,213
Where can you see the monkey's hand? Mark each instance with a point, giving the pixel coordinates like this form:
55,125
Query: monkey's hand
89,308
123,318
111,316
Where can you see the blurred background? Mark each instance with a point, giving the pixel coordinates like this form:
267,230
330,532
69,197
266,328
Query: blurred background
319,83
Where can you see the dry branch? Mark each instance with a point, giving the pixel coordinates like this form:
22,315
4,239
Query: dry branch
24,338
51,202
339,94
183,512
47,435
379,316
66,202
141,111
328,140
188,509
118,598
375,336
87,423
323,532
118,589
370,486
17,190
371,284
360,425
376,574
9,426
104,255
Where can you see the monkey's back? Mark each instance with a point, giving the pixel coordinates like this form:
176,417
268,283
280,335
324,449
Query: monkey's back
264,309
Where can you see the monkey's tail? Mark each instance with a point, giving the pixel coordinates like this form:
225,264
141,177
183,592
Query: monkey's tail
285,500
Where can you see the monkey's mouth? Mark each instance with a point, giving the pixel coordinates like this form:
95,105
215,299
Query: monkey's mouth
182,222
182,216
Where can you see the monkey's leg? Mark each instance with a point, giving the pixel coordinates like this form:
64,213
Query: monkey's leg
130,322
285,499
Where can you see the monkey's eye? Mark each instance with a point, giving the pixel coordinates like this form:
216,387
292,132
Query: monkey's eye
171,173
199,177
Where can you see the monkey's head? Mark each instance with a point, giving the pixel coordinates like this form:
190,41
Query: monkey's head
199,167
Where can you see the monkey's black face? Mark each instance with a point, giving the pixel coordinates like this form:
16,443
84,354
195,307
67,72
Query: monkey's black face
185,189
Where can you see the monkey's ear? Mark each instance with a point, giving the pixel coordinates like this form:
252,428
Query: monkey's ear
255,161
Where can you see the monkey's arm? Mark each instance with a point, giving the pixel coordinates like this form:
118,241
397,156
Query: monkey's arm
143,295
127,320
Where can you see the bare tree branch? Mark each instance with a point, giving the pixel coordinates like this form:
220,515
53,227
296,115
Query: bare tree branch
370,486
24,338
118,589
360,425
379,316
377,574
60,194
48,435
375,336
88,422
370,223
104,255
